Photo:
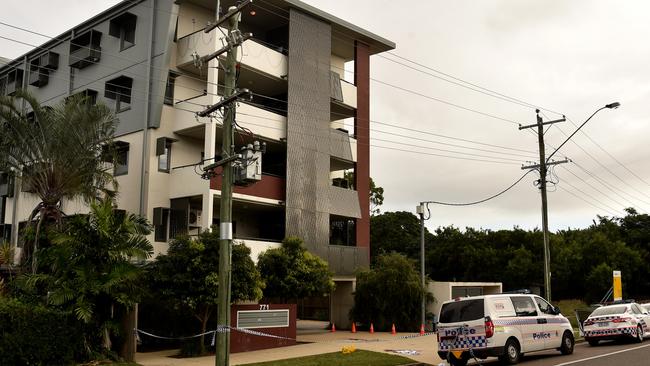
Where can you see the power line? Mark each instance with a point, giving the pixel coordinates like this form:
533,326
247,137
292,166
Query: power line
483,200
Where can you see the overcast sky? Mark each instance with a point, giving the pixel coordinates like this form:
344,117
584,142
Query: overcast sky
567,56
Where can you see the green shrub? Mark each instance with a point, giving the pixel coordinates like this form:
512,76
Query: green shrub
36,335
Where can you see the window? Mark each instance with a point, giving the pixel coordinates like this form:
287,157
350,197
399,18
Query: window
3,85
169,89
544,306
160,221
40,67
6,185
14,81
609,310
89,96
164,153
119,90
636,309
123,27
342,231
121,164
85,50
462,311
524,306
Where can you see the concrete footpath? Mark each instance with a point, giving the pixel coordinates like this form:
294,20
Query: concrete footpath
318,343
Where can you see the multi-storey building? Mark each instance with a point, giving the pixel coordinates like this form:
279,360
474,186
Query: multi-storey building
309,72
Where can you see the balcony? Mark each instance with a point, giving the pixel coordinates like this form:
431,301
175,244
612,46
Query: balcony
253,55
344,261
342,145
344,202
271,187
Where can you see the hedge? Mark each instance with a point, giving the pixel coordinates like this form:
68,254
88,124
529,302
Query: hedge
36,335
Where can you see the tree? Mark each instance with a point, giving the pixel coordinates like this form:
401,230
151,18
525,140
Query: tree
395,232
92,268
389,293
188,276
291,272
56,151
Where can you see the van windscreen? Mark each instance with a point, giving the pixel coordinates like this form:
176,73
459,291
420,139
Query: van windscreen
462,311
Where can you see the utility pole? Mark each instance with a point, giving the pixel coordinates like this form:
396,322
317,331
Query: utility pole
543,165
225,215
423,308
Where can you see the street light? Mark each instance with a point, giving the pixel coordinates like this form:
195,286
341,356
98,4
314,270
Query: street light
547,252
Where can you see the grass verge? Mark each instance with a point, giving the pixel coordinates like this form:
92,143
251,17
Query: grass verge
357,358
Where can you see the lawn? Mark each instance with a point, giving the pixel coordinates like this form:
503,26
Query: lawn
357,358
568,309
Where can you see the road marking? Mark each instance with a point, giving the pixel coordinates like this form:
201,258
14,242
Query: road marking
604,355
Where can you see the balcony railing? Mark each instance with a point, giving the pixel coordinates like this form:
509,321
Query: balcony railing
270,187
344,261
253,54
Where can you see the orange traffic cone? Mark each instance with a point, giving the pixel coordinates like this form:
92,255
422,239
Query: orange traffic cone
333,328
422,329
392,330
354,327
372,329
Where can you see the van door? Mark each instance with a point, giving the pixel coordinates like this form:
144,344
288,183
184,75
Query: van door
530,324
553,331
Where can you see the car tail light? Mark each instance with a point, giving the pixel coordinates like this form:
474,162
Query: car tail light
489,327
589,322
621,320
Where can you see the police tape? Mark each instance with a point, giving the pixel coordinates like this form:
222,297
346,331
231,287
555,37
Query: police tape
228,329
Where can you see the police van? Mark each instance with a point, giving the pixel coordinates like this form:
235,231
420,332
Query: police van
503,325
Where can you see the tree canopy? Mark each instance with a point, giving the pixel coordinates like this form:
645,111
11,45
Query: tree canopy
187,277
580,258
291,272
389,293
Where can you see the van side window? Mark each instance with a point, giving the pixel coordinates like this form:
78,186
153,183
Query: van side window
524,306
544,306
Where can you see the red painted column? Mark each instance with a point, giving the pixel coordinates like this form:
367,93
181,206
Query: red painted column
362,132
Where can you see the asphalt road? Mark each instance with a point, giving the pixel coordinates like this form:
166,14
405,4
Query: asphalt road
607,353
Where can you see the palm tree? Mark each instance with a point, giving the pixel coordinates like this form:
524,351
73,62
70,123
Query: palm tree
57,152
93,265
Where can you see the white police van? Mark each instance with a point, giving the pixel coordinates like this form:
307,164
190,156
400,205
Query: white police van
503,325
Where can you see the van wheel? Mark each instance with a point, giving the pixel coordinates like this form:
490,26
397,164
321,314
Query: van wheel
567,343
592,342
639,334
512,352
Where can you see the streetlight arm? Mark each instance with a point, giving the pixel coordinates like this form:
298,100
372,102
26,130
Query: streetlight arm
610,106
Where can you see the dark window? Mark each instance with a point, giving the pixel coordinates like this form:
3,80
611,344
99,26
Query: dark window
40,67
524,306
544,306
161,224
169,89
342,231
121,165
165,159
85,49
462,311
89,96
123,27
3,85
119,89
14,81
6,185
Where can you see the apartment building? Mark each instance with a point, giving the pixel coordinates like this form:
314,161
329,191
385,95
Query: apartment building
309,74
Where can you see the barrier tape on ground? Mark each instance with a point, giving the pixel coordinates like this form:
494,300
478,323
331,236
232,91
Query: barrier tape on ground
222,329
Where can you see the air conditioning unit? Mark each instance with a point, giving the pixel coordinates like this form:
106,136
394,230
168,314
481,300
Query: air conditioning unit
194,218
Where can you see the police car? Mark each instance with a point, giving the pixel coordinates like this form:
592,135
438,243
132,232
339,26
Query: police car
619,320
503,325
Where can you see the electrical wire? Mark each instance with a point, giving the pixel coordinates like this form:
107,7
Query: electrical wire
482,200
